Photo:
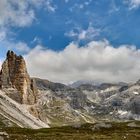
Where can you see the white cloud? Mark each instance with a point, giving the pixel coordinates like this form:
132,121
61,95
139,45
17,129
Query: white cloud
36,40
16,13
47,4
84,34
133,3
79,6
2,34
21,13
36,3
50,6
66,1
87,2
97,61
19,46
113,7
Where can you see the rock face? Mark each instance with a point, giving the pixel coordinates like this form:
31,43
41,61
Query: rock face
14,75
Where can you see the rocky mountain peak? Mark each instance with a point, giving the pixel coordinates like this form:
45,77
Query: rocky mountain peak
14,75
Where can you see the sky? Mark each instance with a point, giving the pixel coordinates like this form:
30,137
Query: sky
71,40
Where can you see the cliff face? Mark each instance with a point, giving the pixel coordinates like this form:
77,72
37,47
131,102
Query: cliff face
14,75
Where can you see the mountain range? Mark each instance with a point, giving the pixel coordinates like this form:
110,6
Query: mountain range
39,103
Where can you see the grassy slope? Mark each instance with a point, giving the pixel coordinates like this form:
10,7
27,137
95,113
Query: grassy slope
5,122
117,131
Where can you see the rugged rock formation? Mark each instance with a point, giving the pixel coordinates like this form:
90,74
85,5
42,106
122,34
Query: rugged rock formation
36,103
14,75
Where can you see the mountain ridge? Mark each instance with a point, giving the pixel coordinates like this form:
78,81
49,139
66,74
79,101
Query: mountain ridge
42,103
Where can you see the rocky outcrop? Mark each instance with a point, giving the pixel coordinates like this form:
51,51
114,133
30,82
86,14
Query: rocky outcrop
43,84
14,75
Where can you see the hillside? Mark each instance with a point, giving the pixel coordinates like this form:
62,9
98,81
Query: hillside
38,103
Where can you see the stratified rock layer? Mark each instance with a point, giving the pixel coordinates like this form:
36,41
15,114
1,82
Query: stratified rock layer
14,75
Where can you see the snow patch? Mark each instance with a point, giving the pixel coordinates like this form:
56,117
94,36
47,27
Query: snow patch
121,112
136,93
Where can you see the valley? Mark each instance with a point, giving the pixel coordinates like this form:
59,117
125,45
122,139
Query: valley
103,130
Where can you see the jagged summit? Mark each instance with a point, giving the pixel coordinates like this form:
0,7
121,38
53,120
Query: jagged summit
14,75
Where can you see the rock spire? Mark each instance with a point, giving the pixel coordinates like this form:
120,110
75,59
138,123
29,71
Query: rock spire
14,74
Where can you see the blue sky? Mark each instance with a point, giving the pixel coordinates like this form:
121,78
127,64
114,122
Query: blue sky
114,20
55,24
